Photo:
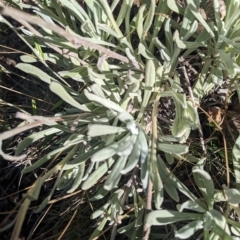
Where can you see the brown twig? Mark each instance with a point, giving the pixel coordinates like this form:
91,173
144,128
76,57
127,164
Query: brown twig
68,224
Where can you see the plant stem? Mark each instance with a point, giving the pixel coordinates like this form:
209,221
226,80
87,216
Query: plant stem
153,165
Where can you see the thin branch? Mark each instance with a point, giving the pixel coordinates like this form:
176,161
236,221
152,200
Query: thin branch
153,160
30,118
67,226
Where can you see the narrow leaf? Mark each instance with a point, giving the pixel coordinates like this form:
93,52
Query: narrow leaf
189,229
143,159
164,217
78,178
104,102
134,158
205,184
115,174
59,90
34,71
190,205
97,174
95,130
173,148
33,138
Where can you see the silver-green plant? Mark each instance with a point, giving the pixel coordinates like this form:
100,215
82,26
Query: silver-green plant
110,128
213,222
217,43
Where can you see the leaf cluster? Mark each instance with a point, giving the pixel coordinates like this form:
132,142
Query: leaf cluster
122,66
